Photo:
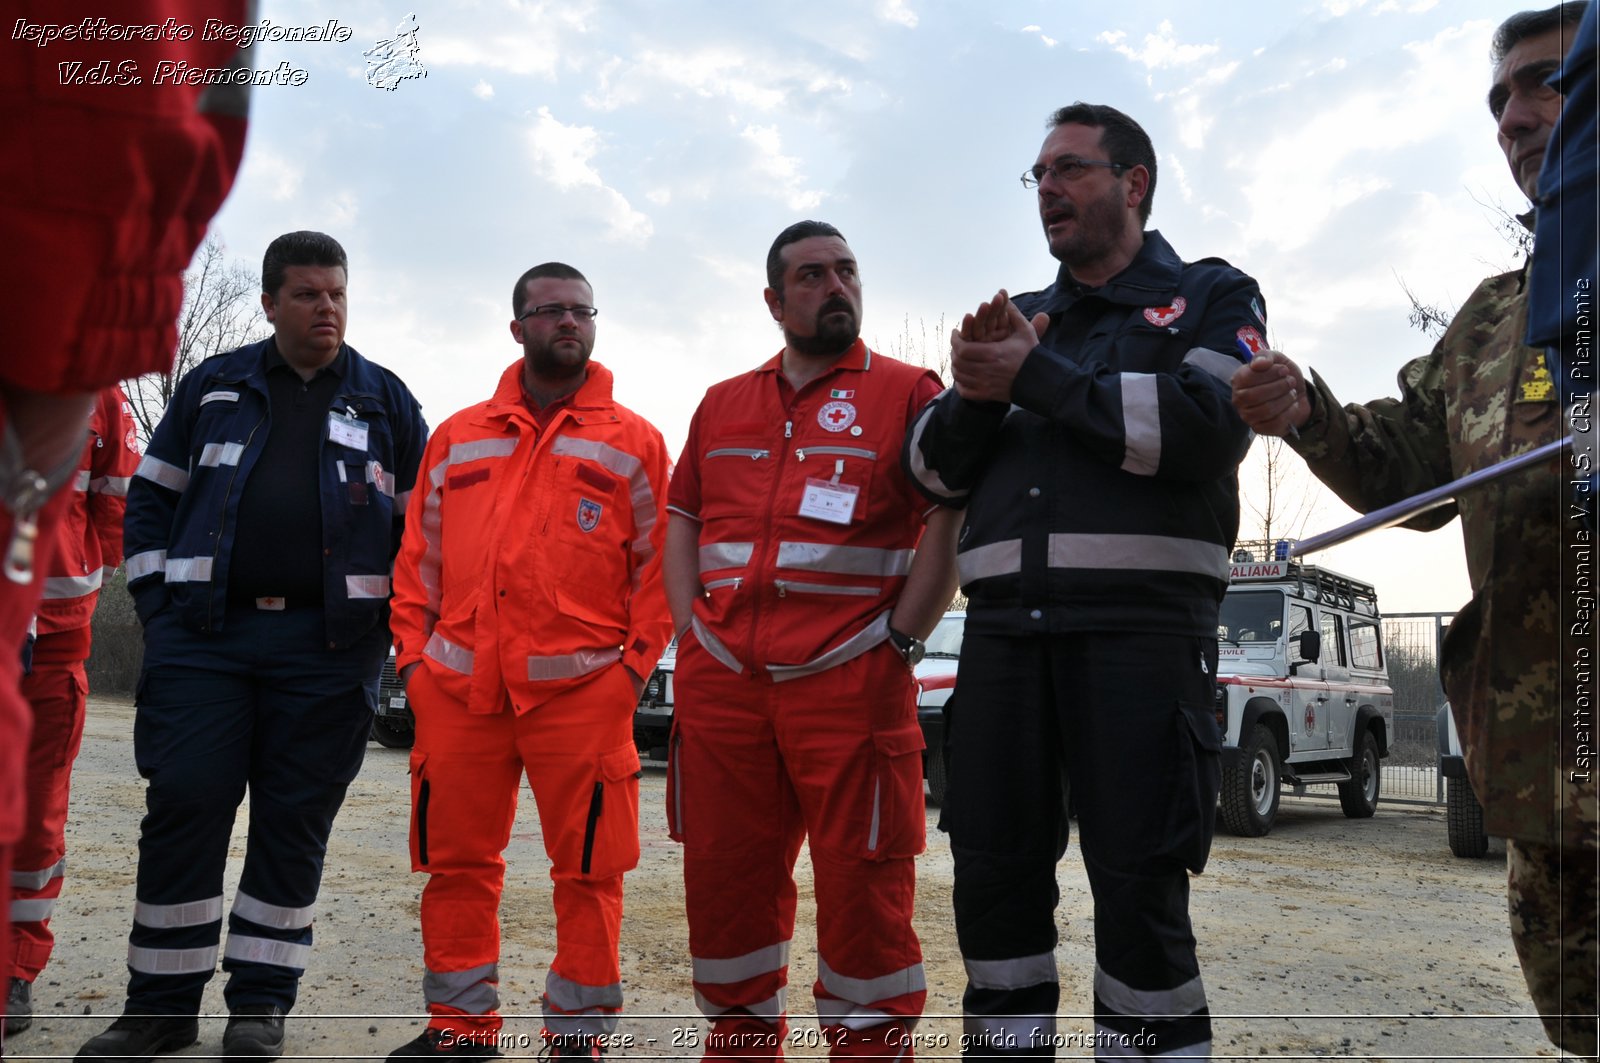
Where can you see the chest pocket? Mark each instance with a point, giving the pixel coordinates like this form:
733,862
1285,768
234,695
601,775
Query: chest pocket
736,477
1140,347
592,509
842,469
221,419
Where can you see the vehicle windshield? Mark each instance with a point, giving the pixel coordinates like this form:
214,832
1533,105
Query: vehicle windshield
1251,616
946,638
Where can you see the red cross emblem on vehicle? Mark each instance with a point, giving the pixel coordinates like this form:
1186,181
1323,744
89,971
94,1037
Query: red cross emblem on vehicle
836,416
1311,716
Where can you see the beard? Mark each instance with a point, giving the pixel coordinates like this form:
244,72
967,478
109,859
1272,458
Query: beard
833,336
549,363
1096,234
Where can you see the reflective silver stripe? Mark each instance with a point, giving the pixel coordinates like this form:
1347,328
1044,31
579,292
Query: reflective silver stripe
717,584
1141,424
1152,552
573,1008
714,646
172,961
472,991
786,586
849,649
147,563
832,1012
34,910
188,570
214,455
872,990
738,968
366,587
81,481
72,586
1221,366
428,567
448,654
461,453
992,559
1109,1044
641,494
725,555
267,951
401,501
157,471
1019,973
877,815
171,916
919,467
115,486
846,560
1123,999
683,513
272,915
571,665
219,396
383,481
37,880
769,1010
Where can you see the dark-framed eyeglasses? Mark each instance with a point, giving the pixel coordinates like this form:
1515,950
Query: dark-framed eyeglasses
1066,169
555,312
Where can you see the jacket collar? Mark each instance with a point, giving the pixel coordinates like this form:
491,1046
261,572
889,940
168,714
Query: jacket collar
593,394
1154,273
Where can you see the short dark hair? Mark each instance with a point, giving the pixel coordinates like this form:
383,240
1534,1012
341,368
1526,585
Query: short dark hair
1525,24
302,248
558,270
800,230
1123,139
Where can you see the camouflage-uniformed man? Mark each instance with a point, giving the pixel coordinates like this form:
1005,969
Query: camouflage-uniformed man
1482,396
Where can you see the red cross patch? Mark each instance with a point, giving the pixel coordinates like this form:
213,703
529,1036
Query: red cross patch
836,416
1162,316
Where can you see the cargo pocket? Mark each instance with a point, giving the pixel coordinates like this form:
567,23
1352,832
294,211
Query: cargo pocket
419,812
1196,780
896,821
611,826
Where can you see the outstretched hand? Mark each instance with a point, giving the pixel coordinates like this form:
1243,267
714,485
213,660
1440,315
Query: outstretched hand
1269,392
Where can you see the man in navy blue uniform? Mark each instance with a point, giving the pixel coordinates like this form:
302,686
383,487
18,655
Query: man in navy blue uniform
1091,439
261,527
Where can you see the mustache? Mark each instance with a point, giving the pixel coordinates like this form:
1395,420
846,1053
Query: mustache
836,304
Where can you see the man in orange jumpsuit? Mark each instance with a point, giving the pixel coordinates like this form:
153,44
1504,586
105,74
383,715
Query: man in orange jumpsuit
528,608
105,192
796,577
88,547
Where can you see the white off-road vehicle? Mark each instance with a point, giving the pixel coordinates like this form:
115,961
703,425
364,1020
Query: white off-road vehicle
1303,695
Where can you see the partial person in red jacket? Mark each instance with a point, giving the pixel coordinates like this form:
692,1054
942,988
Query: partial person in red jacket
802,581
105,192
87,550
528,610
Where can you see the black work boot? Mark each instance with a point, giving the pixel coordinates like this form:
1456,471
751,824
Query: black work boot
139,1038
19,1006
254,1031
438,1044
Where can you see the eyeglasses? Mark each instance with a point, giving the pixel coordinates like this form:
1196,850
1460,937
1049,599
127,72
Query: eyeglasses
555,312
1066,169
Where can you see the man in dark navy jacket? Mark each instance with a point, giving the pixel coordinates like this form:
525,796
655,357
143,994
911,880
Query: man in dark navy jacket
261,528
1090,437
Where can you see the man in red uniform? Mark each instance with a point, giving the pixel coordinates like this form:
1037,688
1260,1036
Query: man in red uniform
801,591
88,547
528,608
105,192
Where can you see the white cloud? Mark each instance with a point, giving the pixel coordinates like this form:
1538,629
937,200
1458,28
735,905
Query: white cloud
562,154
711,72
898,12
1048,42
772,163
1160,48
280,178
483,90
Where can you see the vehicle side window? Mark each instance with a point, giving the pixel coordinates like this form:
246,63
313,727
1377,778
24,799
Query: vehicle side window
1366,649
1332,642
1299,620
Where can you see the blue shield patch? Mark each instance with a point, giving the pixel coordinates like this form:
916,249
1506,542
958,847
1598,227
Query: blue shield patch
589,514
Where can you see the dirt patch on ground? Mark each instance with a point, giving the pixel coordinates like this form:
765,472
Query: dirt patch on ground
1328,938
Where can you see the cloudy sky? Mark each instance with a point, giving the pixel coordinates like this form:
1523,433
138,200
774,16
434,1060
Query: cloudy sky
1330,148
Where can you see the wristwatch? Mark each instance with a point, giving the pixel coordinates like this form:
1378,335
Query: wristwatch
909,646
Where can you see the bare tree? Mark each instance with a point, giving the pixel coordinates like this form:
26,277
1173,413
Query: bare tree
1281,498
929,350
221,311
1431,319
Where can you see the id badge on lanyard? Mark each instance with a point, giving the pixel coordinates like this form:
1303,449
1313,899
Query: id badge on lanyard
830,500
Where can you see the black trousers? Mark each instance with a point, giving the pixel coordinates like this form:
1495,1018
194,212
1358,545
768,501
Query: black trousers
1119,727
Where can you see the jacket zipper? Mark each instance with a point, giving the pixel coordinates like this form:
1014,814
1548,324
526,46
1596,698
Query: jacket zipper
211,598
758,561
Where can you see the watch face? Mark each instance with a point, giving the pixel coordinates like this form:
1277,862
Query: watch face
915,651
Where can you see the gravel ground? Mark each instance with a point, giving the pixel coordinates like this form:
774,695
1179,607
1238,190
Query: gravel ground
1331,938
